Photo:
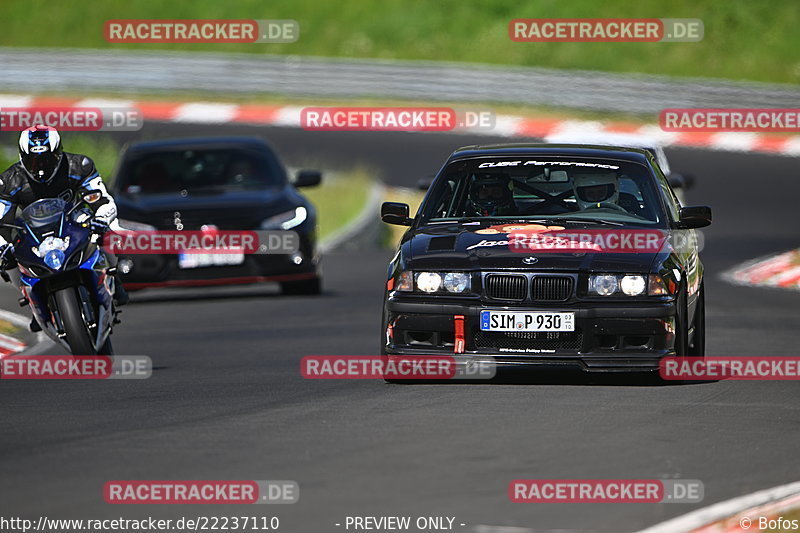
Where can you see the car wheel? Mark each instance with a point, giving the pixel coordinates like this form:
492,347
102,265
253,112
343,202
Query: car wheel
306,286
682,325
697,348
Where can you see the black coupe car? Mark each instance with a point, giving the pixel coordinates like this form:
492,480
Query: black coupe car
466,280
218,183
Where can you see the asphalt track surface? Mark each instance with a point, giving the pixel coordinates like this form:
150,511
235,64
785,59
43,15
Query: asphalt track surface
226,400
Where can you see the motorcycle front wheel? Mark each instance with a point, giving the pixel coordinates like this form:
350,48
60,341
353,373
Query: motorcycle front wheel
78,338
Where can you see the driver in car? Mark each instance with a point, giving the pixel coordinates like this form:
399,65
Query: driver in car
490,195
596,191
44,170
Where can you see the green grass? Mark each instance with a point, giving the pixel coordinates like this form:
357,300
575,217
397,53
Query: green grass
7,328
338,200
744,39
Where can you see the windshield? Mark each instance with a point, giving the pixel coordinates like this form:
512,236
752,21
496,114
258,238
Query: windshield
543,187
44,212
209,170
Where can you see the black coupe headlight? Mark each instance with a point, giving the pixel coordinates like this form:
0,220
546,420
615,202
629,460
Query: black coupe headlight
625,285
434,282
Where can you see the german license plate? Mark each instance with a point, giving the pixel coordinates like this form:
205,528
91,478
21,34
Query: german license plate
526,321
204,260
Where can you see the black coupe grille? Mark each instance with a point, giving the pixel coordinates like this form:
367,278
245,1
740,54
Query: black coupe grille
224,219
551,288
506,286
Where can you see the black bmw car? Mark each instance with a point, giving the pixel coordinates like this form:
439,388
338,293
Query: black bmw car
219,184
548,254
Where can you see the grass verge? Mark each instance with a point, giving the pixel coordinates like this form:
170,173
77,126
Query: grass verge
7,328
339,199
743,39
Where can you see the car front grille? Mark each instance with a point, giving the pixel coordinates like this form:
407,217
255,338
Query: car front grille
518,287
527,341
506,286
223,218
551,288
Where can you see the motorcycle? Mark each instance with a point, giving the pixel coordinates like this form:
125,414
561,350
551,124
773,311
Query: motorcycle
65,279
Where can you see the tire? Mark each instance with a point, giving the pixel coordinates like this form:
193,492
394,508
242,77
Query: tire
106,348
681,326
307,286
80,343
697,348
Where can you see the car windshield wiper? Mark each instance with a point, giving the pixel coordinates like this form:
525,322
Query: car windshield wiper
471,220
562,220
524,220
592,221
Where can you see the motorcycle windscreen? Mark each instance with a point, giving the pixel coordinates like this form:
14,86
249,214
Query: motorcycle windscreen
42,215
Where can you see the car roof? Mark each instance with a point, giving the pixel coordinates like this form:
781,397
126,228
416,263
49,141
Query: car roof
198,142
638,155
633,140
603,139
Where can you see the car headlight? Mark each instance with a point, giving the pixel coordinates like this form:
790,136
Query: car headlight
603,284
633,285
135,226
627,284
429,281
456,282
287,220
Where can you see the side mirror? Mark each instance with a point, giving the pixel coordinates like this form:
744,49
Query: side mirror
395,213
698,216
424,184
307,178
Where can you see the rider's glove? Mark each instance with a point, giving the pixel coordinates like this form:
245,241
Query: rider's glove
7,256
98,226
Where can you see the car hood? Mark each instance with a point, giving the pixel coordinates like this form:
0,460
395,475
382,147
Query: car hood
481,248
225,209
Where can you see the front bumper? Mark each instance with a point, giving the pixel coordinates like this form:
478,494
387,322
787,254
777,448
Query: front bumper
161,270
608,336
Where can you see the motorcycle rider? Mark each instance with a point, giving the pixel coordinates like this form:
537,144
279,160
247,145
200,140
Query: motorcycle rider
44,170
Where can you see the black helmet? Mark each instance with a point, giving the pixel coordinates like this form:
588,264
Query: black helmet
40,152
491,193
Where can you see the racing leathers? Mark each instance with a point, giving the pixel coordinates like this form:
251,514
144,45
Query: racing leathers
76,174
